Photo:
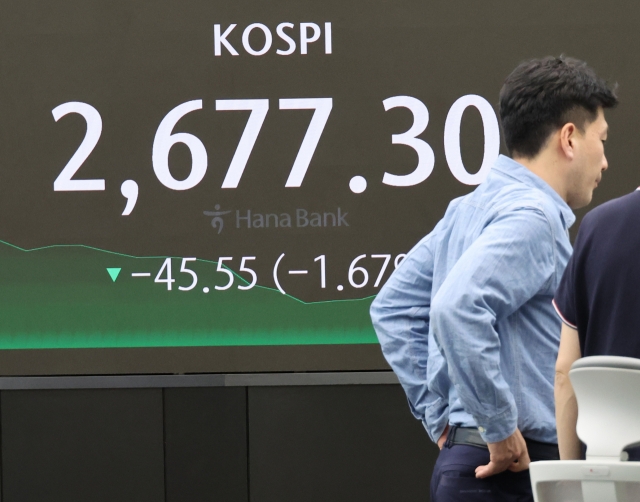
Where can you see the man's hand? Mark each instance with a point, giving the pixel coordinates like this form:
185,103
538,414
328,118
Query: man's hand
510,453
443,437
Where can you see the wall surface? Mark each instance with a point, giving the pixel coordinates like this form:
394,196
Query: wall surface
232,444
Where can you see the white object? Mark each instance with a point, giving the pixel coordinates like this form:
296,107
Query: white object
607,389
129,190
64,181
452,149
165,139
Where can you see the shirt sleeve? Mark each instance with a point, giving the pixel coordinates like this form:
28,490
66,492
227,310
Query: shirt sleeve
564,300
508,264
400,315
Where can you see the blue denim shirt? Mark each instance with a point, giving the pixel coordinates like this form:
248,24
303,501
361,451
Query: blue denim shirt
466,320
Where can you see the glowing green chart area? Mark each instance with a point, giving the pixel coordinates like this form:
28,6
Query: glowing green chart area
74,297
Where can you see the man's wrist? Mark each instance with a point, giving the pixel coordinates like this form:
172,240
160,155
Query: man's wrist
498,427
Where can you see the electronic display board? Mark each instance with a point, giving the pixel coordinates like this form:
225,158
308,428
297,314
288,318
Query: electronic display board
232,181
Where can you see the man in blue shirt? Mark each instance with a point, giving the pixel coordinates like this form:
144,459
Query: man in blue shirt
466,321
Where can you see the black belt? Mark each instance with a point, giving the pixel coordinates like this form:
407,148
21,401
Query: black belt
471,437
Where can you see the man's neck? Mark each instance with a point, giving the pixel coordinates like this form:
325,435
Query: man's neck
546,167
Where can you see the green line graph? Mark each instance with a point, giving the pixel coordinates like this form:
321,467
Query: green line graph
62,296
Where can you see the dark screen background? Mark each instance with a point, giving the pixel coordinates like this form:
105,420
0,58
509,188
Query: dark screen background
134,61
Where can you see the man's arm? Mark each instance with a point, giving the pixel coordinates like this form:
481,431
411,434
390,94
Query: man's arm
511,262
566,404
400,315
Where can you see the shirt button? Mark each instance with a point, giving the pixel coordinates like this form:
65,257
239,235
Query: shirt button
481,429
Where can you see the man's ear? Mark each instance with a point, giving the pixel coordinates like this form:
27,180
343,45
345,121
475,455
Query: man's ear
567,139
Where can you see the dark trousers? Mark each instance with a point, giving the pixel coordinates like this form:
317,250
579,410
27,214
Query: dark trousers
634,454
454,479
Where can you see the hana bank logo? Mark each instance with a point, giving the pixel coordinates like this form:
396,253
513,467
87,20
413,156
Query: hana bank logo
301,218
217,221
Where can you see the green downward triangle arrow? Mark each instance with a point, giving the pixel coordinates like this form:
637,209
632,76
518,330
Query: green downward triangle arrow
114,272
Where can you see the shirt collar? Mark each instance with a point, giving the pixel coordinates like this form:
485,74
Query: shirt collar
517,171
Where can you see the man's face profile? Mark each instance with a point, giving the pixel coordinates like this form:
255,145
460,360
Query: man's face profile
589,161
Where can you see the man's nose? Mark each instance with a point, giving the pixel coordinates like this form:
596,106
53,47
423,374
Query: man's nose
605,164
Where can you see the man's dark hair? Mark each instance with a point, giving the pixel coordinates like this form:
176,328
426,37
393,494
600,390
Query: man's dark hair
542,95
